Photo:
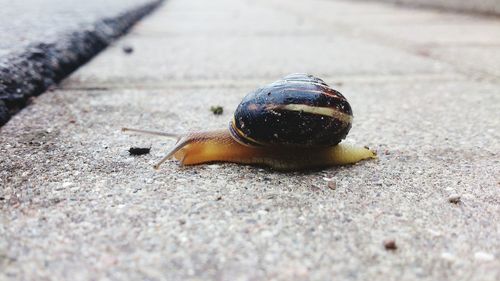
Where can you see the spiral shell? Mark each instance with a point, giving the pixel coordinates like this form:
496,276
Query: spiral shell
298,110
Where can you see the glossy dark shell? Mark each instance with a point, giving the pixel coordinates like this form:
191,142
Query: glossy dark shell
298,110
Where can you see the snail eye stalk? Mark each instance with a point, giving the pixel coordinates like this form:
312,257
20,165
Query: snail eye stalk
155,133
178,146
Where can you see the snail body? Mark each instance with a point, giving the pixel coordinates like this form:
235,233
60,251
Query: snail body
292,124
220,146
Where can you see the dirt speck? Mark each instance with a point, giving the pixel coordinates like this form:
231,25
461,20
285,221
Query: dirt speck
217,109
454,198
128,49
332,185
390,244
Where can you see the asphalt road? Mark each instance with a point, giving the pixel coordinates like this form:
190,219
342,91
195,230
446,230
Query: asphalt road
75,205
44,41
33,21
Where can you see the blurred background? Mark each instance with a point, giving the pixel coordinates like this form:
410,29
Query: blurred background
488,7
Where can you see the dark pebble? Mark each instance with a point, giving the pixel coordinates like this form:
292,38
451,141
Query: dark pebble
217,110
390,244
332,185
139,150
128,49
454,198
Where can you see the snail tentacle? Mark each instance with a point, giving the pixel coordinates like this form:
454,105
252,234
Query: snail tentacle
181,143
151,132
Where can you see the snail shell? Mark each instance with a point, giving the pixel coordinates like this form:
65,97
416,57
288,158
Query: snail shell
298,110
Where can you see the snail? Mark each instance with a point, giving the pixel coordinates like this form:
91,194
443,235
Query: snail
294,123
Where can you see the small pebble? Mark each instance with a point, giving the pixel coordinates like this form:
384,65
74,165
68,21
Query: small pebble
435,233
454,198
128,49
483,256
67,184
390,244
332,185
213,166
217,110
448,256
139,150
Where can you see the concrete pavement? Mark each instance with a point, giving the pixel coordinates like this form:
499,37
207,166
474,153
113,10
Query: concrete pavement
424,87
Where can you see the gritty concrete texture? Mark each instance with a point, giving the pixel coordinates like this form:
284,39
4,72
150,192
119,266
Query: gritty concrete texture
75,205
57,37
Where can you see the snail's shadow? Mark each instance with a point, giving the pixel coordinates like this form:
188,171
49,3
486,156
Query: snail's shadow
259,169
